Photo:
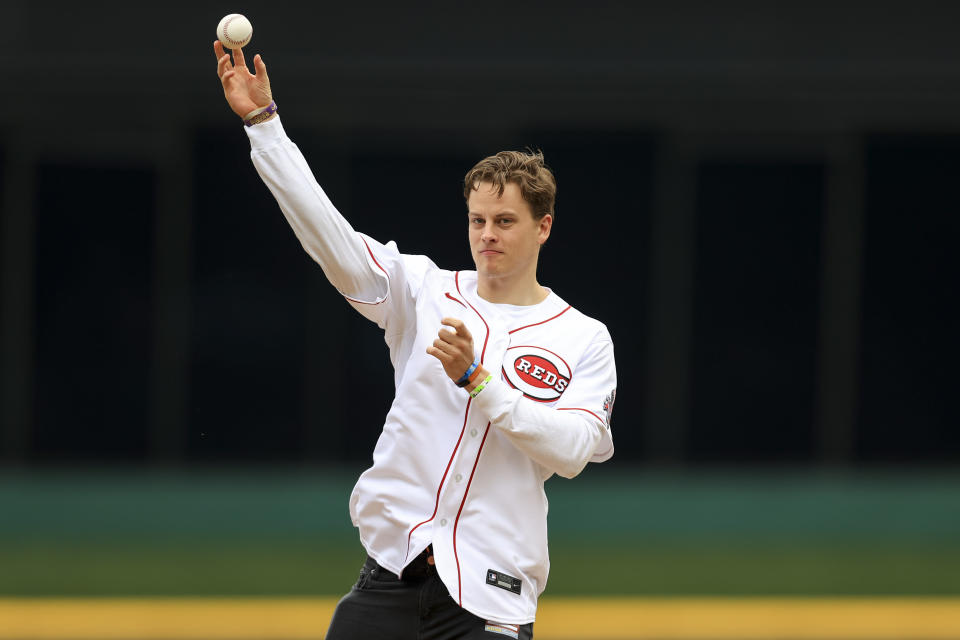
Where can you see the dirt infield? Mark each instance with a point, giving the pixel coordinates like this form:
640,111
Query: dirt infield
558,619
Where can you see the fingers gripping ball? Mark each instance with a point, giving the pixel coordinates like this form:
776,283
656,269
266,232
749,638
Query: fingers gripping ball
234,31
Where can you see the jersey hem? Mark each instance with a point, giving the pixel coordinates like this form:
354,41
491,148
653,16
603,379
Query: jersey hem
375,556
486,615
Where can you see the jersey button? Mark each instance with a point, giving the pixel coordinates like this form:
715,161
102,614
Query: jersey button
443,522
473,432
459,477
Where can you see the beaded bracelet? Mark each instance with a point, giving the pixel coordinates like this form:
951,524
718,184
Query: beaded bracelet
477,389
468,377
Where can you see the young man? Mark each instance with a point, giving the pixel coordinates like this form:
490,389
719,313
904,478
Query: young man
499,385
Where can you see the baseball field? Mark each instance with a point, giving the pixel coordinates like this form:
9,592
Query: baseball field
236,554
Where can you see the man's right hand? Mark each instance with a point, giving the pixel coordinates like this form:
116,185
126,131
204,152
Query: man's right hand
243,90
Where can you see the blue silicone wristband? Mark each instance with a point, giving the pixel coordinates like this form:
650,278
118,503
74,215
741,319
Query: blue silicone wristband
465,378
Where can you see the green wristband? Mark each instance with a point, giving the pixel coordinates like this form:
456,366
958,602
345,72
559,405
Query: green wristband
477,389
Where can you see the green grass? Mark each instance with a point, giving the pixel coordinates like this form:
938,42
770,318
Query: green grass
207,567
761,568
596,567
255,533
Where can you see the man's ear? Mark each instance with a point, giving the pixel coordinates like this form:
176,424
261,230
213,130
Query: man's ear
545,225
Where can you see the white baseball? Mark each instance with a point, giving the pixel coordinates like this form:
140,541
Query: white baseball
234,31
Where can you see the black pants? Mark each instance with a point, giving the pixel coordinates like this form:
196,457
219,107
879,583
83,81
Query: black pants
381,606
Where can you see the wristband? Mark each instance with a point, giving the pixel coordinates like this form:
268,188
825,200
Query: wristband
259,115
465,378
477,389
473,376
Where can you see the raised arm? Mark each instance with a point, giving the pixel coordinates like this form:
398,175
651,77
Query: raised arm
324,234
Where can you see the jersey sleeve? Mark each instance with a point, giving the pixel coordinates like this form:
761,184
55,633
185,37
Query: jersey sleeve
403,275
375,278
565,437
593,390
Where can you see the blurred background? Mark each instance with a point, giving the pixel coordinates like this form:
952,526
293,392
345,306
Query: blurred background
760,200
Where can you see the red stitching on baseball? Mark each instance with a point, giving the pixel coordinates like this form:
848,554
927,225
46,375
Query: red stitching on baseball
226,26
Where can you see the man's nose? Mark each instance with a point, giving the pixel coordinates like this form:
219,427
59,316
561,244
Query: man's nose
488,234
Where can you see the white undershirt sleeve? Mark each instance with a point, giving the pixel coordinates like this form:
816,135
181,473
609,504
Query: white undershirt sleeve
325,234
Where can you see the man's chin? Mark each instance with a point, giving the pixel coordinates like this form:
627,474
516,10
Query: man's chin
489,273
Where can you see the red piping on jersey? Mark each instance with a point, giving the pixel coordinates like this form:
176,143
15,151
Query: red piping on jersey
456,278
455,300
436,505
527,326
584,410
457,521
483,352
355,301
374,258
466,414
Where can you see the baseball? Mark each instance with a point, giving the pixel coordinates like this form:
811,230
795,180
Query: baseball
234,31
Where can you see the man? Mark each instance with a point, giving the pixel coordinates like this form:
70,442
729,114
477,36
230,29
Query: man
499,385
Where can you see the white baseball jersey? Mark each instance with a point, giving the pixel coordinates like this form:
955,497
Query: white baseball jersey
465,475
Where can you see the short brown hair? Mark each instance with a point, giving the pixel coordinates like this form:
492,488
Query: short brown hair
525,169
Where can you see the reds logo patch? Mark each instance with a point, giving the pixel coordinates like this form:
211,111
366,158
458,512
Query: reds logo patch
538,373
608,405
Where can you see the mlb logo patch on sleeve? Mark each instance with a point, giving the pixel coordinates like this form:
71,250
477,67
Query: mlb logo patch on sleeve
502,580
509,630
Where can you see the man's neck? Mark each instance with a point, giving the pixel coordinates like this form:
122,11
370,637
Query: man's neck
500,291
